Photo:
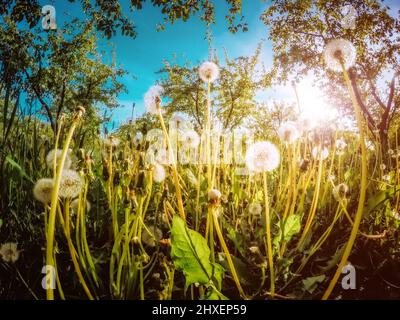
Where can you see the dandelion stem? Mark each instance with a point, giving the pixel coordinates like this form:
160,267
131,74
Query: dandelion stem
268,235
363,189
54,199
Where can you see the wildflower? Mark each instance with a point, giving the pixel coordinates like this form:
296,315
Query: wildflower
138,137
180,120
288,132
386,177
152,97
158,173
339,51
254,249
214,195
340,144
9,252
395,215
111,141
75,204
71,184
320,153
255,209
190,138
369,145
56,153
208,72
43,189
262,156
151,239
340,191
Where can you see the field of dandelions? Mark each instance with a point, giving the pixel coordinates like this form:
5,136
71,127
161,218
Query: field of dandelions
159,215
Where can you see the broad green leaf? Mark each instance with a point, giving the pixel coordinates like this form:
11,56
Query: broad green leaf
379,198
291,227
311,283
191,255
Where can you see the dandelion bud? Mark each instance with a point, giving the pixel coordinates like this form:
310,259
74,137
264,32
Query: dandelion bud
9,252
214,195
340,191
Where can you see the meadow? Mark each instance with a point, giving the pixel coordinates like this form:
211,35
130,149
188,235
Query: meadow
172,206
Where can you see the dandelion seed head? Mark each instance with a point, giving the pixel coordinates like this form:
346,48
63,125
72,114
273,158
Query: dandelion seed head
288,132
340,144
320,153
255,209
75,204
208,72
71,184
386,177
138,137
262,156
43,189
339,49
56,153
151,98
190,138
9,252
158,173
390,152
214,195
111,141
382,167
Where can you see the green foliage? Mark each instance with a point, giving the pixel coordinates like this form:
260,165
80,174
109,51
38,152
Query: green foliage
191,255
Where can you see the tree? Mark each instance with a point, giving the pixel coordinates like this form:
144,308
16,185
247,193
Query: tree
235,90
300,30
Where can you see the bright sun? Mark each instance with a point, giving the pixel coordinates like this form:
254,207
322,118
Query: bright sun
313,104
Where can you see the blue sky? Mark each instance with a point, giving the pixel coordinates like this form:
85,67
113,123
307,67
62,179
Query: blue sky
142,57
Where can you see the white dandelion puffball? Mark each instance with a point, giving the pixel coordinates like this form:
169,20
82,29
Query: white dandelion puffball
56,153
151,239
75,204
214,195
9,252
158,173
180,120
340,144
138,137
255,209
150,98
288,132
111,141
190,138
369,145
262,156
320,153
208,72
43,189
71,184
339,49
